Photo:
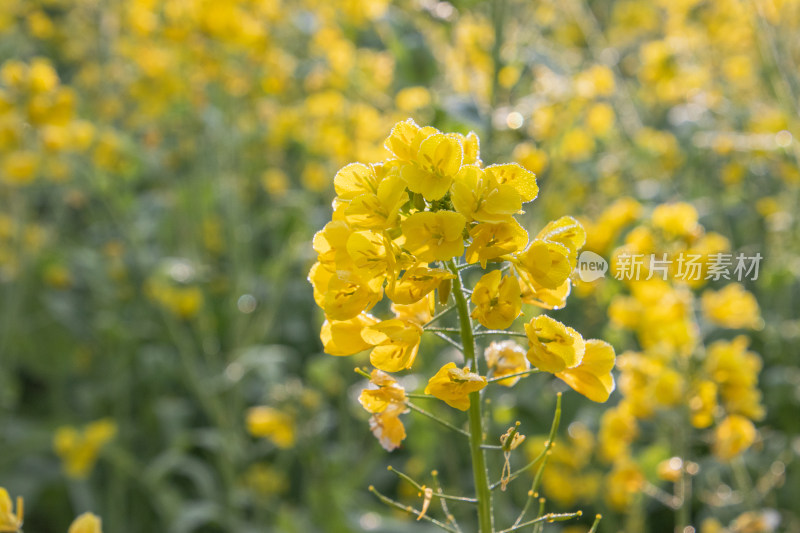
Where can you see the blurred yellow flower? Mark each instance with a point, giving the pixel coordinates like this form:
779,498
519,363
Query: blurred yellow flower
272,424
732,307
733,436
19,168
10,521
453,385
676,219
86,523
78,449
412,98
623,484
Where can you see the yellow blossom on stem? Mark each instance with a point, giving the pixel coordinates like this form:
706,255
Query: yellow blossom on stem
554,347
490,241
434,236
453,385
387,427
384,390
497,300
396,344
505,358
478,197
592,377
436,163
343,337
416,283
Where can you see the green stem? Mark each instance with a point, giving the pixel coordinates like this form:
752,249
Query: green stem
480,474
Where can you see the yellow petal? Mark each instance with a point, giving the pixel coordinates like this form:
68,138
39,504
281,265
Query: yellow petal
355,179
522,180
592,377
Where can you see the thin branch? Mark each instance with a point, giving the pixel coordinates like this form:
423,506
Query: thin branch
543,454
673,502
487,332
438,488
450,341
419,487
549,517
442,330
596,523
407,508
435,418
518,374
439,315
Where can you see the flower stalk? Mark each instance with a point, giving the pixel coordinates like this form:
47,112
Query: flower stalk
479,472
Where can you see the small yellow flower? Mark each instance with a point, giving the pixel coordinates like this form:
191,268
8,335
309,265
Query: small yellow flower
497,300
436,164
434,236
592,377
520,179
396,344
490,241
453,385
343,337
10,521
416,283
478,196
546,263
384,390
86,523
387,427
554,347
272,424
732,307
733,436
505,358
378,210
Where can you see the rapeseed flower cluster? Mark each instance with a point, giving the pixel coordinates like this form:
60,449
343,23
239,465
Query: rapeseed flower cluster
672,369
397,230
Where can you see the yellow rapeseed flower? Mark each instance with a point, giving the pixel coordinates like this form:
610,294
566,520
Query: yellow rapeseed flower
497,300
505,358
554,347
592,377
453,385
434,236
